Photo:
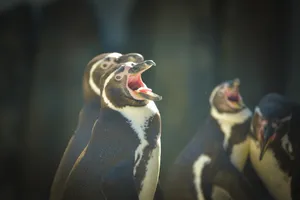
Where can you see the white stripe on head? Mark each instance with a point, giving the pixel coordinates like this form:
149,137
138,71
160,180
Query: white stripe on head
93,85
213,94
257,110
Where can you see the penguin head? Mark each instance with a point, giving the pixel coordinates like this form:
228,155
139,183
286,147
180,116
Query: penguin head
125,87
101,64
226,97
271,120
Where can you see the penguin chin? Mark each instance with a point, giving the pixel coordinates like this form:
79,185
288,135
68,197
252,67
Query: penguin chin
138,89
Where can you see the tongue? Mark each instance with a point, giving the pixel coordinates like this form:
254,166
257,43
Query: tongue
144,90
148,94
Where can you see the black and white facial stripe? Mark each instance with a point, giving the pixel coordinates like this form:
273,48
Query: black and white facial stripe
103,64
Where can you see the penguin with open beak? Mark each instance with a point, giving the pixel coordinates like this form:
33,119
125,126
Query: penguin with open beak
274,149
122,159
210,166
98,66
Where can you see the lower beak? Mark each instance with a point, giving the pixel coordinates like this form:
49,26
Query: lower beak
239,104
141,67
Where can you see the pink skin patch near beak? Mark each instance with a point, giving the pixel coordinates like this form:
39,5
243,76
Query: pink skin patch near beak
262,124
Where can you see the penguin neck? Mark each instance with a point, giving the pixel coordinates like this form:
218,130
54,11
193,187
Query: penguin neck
92,104
230,118
227,120
138,116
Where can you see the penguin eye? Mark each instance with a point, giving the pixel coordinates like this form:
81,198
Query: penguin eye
104,66
118,77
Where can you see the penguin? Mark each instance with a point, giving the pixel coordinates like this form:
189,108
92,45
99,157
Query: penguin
274,145
88,114
210,166
125,143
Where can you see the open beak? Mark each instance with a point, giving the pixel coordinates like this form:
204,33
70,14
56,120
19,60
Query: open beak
135,84
233,94
131,57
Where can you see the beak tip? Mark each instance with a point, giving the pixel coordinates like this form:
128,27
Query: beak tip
158,98
236,81
150,62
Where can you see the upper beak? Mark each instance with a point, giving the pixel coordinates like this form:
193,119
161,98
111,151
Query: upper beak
236,83
235,86
131,57
264,144
141,67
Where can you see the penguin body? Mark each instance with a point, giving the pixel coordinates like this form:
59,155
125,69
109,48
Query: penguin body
88,114
210,166
269,165
274,146
124,149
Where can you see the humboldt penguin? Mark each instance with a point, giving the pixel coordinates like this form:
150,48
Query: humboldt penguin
125,143
274,147
88,114
210,165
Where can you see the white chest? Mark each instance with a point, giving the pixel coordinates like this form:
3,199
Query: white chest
240,154
152,168
276,181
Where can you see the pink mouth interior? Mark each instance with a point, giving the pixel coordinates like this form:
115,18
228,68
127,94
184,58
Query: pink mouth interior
136,83
233,96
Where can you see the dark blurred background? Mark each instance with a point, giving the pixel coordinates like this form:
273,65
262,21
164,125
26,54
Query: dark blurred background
45,45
